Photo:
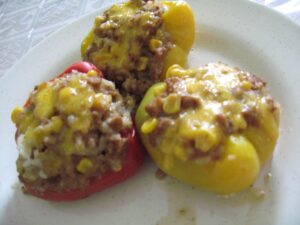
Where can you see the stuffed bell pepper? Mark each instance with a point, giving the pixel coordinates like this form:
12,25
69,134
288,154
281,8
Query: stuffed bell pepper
134,42
213,127
75,136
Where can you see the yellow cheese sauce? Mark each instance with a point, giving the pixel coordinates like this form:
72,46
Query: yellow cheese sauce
212,127
69,131
134,42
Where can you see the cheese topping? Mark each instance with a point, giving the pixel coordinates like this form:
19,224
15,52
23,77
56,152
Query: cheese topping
195,111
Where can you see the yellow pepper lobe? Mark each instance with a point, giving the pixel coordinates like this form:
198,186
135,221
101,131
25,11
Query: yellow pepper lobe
179,22
238,168
175,55
86,43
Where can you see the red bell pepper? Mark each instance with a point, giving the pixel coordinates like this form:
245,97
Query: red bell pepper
82,67
131,163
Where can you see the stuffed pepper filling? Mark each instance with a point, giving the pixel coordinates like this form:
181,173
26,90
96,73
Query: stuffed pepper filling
195,110
129,43
71,131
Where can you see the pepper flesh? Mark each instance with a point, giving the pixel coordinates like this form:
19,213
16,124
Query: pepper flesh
244,152
132,160
179,23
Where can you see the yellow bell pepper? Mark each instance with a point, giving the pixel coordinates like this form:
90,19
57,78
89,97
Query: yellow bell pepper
178,28
244,151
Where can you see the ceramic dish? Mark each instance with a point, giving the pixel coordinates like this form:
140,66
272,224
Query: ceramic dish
239,33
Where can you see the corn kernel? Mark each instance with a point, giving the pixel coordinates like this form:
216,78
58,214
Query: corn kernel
142,64
56,124
175,71
42,86
92,73
101,101
15,115
84,165
154,44
66,93
149,126
172,103
206,139
246,85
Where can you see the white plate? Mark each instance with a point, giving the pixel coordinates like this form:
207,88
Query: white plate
236,32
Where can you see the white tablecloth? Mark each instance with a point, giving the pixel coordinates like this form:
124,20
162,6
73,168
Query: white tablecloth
24,23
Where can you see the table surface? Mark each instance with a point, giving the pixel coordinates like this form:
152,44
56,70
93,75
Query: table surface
24,23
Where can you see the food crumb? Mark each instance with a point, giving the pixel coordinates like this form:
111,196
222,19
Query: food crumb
226,196
182,211
159,174
268,177
259,193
